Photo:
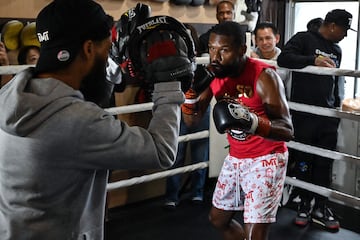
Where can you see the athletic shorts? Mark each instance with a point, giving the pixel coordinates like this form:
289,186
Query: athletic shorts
252,185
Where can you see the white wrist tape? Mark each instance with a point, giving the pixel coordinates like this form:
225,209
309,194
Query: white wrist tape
254,124
192,101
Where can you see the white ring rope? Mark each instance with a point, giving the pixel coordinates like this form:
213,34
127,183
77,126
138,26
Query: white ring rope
322,111
163,174
194,136
154,176
318,70
333,195
329,112
130,108
13,69
324,152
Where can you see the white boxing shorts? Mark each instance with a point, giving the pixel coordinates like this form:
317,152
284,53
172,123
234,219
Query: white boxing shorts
253,185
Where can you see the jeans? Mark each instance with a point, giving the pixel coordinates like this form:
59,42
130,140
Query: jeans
317,131
199,153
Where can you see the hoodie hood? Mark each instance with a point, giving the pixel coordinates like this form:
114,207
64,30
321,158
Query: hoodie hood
27,102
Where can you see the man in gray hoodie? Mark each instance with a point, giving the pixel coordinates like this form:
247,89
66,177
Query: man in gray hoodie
56,147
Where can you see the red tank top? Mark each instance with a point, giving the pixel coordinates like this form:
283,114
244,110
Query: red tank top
243,88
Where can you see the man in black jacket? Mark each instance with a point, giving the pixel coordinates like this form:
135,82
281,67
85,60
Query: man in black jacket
317,48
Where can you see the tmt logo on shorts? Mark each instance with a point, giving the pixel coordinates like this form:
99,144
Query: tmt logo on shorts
270,162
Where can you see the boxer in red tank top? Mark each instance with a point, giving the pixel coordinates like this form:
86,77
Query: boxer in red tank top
252,109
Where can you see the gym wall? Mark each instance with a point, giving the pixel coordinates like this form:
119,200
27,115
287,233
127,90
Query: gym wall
194,14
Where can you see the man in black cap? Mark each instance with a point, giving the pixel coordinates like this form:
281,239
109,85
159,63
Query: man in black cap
57,147
317,48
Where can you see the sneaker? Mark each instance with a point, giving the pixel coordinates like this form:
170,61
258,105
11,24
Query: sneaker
288,189
303,215
325,217
170,205
197,200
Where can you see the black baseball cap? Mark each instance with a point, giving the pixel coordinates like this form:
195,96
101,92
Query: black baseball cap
62,27
340,17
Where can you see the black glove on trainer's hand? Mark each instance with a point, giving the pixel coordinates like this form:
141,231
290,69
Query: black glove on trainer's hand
124,27
121,33
232,115
164,56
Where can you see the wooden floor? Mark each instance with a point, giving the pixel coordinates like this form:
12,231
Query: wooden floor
148,220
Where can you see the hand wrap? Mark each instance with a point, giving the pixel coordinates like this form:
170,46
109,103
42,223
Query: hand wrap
191,105
202,79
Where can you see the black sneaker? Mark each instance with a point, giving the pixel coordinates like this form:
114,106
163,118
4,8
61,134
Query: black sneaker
325,217
303,215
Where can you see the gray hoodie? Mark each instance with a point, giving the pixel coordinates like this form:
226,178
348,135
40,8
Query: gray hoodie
56,150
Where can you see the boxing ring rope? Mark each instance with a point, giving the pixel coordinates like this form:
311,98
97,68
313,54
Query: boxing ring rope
163,174
324,152
141,107
13,69
155,176
316,70
322,111
307,69
333,195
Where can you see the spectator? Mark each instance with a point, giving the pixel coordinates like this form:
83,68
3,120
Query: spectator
314,24
29,55
199,153
317,48
266,38
225,11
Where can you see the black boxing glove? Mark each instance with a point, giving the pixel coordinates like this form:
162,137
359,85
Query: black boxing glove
165,58
202,79
121,33
232,115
